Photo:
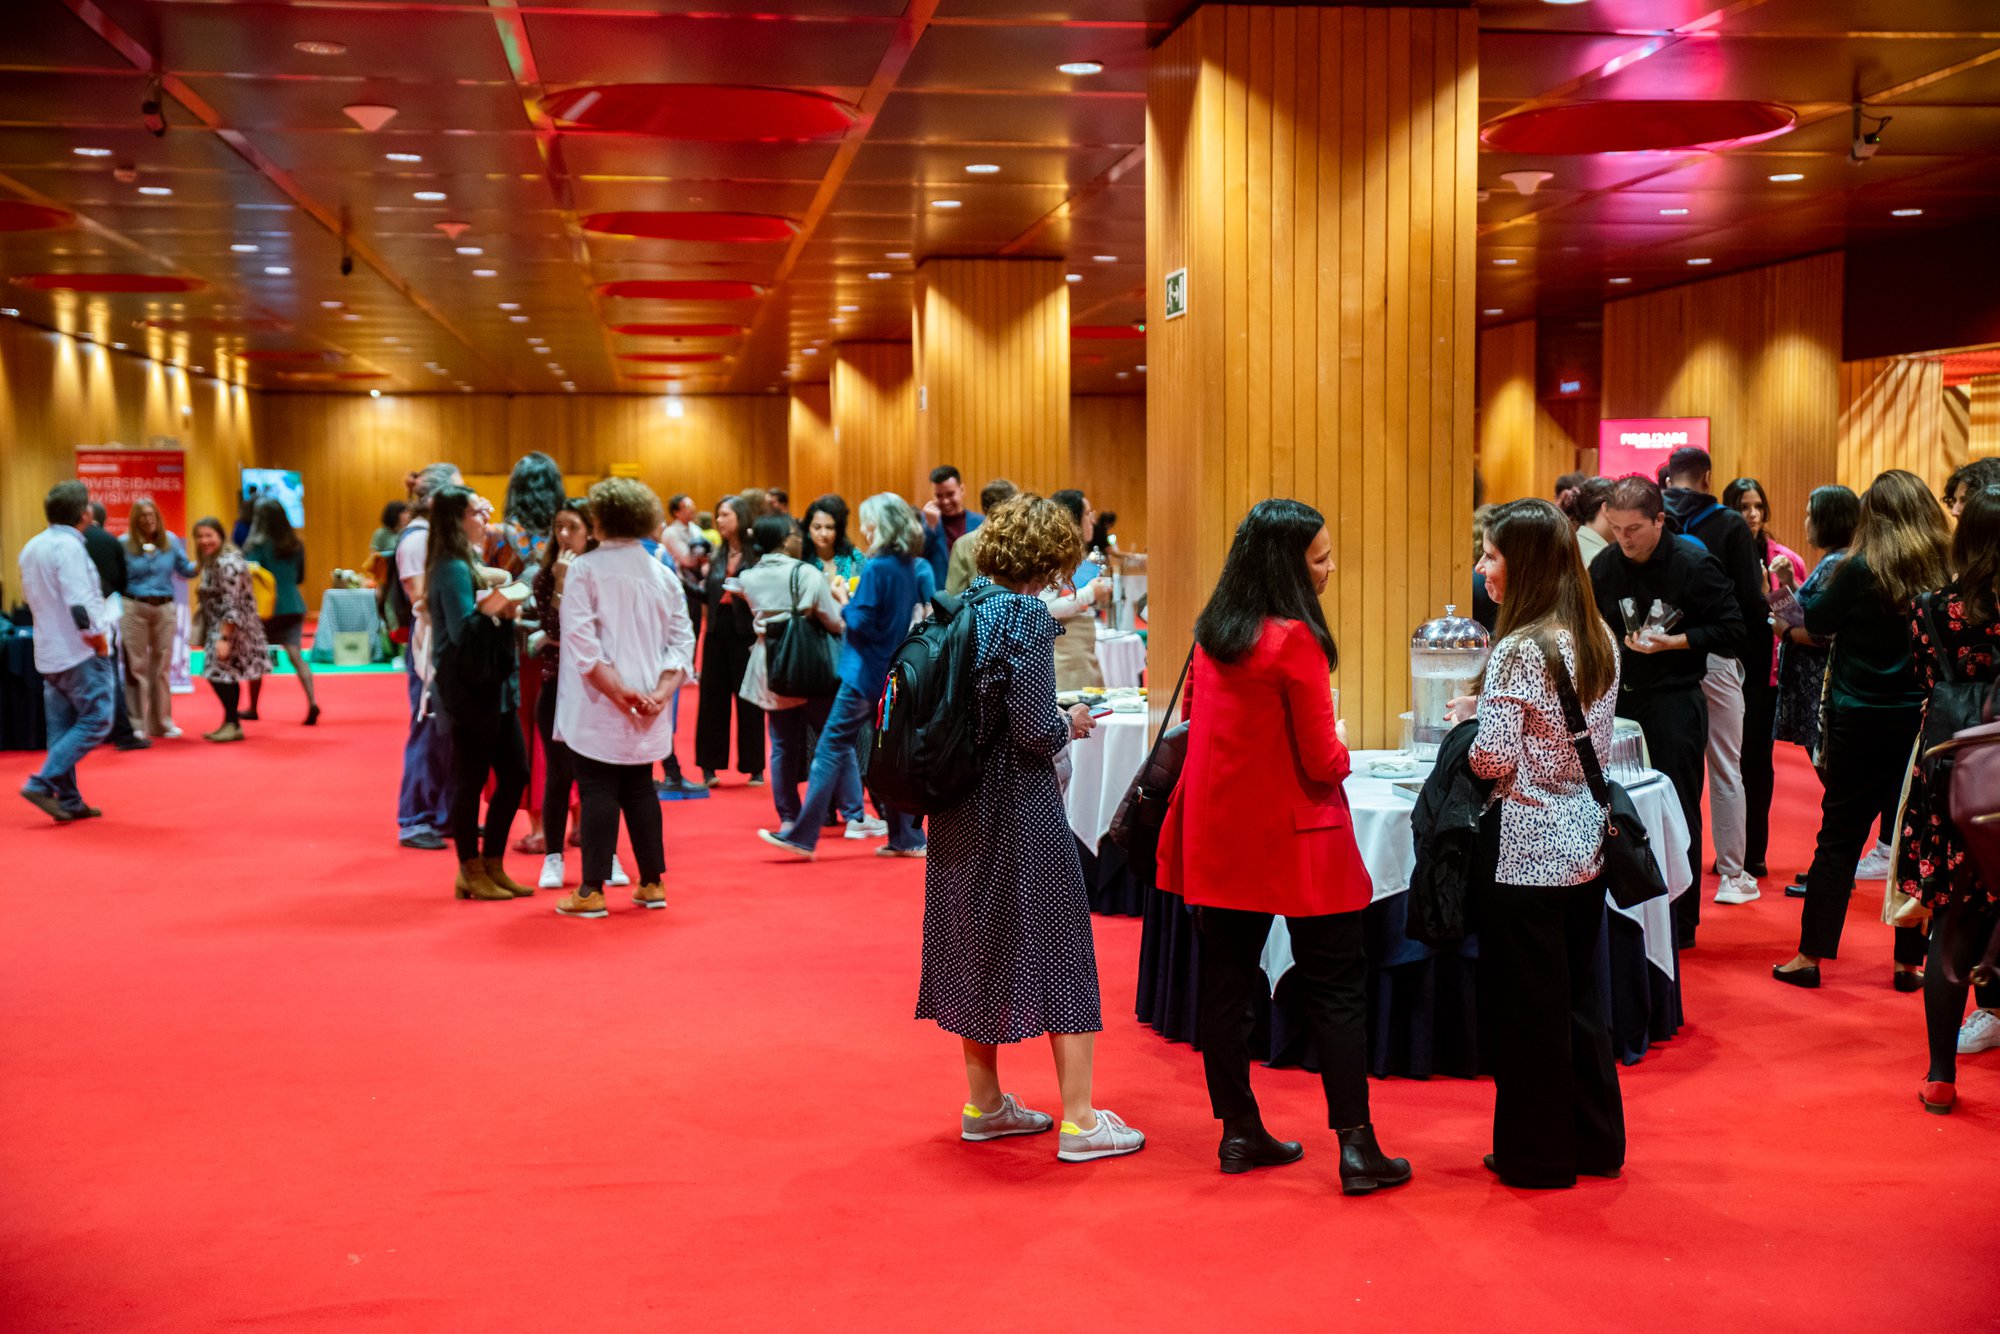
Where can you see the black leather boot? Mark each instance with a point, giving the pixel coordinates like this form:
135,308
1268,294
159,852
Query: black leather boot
1245,1147
1363,1166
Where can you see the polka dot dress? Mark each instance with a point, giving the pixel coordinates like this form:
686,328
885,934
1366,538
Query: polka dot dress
1008,952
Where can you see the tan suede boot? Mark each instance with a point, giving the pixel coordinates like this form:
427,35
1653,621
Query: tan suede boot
496,871
473,883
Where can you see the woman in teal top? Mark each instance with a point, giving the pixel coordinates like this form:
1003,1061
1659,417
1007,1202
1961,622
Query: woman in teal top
275,545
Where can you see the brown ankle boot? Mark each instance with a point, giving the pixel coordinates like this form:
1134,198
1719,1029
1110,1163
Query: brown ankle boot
474,883
496,871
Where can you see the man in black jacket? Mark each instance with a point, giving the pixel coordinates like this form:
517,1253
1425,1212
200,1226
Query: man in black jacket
1660,676
1699,515
107,553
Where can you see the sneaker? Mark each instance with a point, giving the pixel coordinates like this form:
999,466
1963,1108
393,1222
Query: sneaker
1980,1032
1111,1138
172,733
618,877
581,904
425,840
47,804
650,896
867,827
798,850
1738,889
1011,1119
903,852
754,780
133,743
1875,866
679,789
552,872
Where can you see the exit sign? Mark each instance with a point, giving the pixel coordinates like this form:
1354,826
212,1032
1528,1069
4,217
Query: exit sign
1176,294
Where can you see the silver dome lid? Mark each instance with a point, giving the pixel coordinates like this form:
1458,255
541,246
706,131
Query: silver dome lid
1450,632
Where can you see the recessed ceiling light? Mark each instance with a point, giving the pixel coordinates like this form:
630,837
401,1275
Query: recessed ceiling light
1906,212
349,315
244,248
331,305
1562,2
486,273
1504,263
314,48
510,305
1140,369
897,254
118,347
982,168
1105,259
1124,375
91,152
1699,262
1072,277
199,370
945,203
1081,67
277,270
428,196
810,351
10,312
1785,176
1493,312
391,338
1620,281
850,307
518,319
1673,212
156,190
470,250
879,276
404,157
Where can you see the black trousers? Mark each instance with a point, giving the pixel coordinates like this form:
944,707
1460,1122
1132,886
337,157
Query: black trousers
1556,1106
558,771
1676,726
607,791
1959,933
121,717
482,744
723,661
230,693
1760,713
1332,962
1863,759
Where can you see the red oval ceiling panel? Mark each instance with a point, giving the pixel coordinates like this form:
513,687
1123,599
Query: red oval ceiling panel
216,324
17,215
106,282
678,330
1105,331
711,113
671,356
682,289
1636,127
287,354
693,226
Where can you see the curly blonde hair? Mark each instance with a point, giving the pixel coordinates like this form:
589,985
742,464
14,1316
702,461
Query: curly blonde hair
623,507
1029,540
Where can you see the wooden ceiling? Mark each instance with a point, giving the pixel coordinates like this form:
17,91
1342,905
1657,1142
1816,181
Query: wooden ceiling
258,152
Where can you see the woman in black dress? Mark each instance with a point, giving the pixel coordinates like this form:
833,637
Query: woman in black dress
1008,953
725,655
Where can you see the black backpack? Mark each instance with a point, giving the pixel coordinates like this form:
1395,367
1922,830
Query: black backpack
926,756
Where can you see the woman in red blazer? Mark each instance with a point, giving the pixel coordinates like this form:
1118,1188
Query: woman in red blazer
1259,826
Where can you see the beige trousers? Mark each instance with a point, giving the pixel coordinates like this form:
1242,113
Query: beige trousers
149,651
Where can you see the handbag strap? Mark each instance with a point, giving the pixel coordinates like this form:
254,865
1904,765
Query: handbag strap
1167,719
1579,732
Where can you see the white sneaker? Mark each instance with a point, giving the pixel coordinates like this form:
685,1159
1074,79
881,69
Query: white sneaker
618,876
1738,889
1109,1138
552,872
1980,1032
1875,866
867,827
171,732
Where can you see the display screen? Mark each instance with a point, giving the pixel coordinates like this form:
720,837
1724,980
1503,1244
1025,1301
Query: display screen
287,487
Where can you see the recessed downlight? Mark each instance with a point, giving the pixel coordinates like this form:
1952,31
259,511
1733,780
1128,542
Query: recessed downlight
470,250
1080,67
510,305
1786,177
486,273
1618,282
517,319
91,152
157,191
244,248
878,275
1072,277
1105,259
1906,213
1506,263
278,270
946,203
331,305
1673,213
428,196
404,157
321,48
896,254
1493,312
1699,262
850,308
982,168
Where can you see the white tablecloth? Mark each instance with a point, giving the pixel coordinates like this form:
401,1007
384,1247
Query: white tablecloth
1121,655
1131,592
1101,769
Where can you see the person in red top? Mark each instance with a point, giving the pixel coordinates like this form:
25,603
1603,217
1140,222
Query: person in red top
1258,826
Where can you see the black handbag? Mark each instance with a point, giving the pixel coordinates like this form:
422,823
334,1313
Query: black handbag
1630,869
801,656
1135,825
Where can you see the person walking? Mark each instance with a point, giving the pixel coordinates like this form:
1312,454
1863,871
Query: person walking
725,656
1008,953
423,802
1557,1111
1874,706
226,625
1265,764
107,553
626,647
276,546
1779,563
877,618
153,557
72,650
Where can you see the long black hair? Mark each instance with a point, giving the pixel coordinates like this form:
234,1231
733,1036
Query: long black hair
1832,513
447,539
271,526
1975,551
1265,576
1732,497
534,493
835,508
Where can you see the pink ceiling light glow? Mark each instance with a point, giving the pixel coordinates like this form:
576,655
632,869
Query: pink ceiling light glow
712,113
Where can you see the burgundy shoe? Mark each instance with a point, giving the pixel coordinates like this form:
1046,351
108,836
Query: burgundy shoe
1937,1096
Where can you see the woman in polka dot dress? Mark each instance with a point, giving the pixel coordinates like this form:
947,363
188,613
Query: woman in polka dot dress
1008,953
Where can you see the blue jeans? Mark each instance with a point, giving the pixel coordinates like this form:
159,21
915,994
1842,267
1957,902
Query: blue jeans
424,804
791,761
836,770
78,702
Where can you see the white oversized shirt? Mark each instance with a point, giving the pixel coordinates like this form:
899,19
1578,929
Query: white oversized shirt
622,607
57,574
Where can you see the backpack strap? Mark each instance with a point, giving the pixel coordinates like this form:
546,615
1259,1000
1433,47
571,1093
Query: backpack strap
1167,719
1715,507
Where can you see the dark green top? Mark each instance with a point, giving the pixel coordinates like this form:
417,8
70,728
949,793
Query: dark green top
455,613
287,571
1872,667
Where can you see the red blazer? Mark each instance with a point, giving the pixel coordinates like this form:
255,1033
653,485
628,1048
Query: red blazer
1259,821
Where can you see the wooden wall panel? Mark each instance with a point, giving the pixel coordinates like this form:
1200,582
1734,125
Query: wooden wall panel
875,423
353,451
1892,415
1107,459
815,465
991,347
1314,170
1983,423
1758,353
57,393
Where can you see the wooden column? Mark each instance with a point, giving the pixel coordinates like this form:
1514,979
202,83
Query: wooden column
1983,435
814,466
1892,415
1314,172
992,367
874,421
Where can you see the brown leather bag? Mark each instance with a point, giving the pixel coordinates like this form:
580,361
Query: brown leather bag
1972,776
1135,825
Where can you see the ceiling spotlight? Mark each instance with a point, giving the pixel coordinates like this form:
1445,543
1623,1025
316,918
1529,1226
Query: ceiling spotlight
982,169
331,305
897,254
321,48
1072,277
1493,312
1140,369
91,152
244,248
278,270
879,276
349,315
486,273
1906,212
1786,176
470,250
850,308
510,305
370,116
945,203
1124,375
1081,67
429,196
1699,262
404,157
1619,281
118,347
1673,213
374,393
156,190
517,319
1526,182
1505,263
10,312
1105,259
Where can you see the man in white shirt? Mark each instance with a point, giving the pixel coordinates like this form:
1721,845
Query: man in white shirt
423,805
72,650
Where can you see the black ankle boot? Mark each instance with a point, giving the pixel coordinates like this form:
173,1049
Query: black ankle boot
1363,1166
1247,1145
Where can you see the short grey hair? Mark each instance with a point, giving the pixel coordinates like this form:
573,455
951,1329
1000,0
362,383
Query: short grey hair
432,479
896,526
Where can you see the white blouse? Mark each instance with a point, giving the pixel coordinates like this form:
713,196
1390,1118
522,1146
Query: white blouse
1551,827
622,607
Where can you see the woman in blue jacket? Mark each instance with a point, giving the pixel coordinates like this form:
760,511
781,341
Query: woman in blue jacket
878,619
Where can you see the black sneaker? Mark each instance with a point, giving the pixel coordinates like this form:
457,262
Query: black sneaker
133,743
424,840
679,789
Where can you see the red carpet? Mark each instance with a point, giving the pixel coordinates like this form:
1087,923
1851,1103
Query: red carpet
261,1070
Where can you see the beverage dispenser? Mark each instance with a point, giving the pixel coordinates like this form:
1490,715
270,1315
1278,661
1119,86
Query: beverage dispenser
1446,657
